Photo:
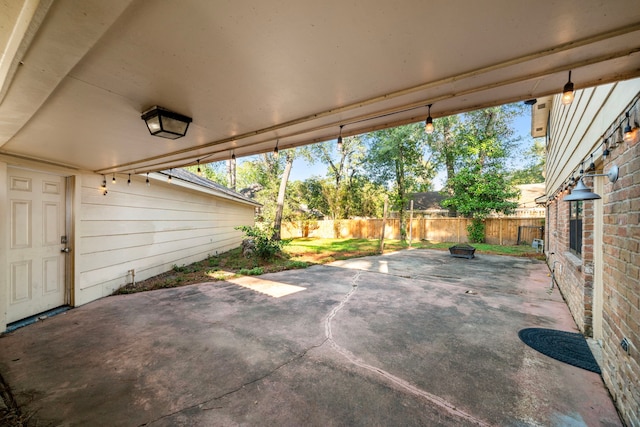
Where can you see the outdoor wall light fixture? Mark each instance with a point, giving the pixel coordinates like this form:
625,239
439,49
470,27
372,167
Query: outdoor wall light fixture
428,126
166,124
340,139
582,192
567,92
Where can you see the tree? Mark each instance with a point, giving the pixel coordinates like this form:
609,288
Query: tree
343,166
478,192
277,222
397,159
483,136
531,173
262,172
473,149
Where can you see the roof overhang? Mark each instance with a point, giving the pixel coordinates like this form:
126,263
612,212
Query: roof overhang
250,74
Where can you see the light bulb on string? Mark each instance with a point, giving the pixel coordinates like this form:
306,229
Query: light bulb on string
627,133
428,127
567,92
129,180
113,181
592,165
148,183
340,139
605,151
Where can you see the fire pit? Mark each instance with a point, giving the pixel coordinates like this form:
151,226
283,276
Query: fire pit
462,251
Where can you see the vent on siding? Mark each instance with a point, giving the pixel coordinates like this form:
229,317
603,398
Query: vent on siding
541,106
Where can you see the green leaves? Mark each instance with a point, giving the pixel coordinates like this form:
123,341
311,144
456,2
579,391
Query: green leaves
477,193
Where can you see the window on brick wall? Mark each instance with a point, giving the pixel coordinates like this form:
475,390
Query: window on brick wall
575,227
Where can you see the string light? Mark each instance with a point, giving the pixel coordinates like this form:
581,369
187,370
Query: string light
428,127
199,170
340,139
233,155
148,183
113,181
104,185
169,179
567,92
628,132
275,150
129,180
605,152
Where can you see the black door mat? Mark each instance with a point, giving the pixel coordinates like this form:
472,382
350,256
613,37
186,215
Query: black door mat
567,347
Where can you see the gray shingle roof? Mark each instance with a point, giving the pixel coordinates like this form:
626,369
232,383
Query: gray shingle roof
193,178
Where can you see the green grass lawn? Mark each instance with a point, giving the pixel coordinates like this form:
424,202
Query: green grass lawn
297,253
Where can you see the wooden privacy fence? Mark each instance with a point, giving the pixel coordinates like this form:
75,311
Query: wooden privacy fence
499,231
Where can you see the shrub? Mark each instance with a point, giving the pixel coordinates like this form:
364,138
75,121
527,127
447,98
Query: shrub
179,269
256,271
297,264
476,231
265,246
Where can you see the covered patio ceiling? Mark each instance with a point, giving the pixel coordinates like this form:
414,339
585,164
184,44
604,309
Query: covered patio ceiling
76,75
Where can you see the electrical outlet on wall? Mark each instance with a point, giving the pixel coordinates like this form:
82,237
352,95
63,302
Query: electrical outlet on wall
625,344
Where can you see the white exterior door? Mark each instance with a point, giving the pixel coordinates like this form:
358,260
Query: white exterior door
36,264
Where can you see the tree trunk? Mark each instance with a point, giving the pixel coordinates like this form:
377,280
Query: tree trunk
277,223
231,173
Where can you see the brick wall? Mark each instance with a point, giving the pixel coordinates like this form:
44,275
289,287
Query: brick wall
573,272
621,371
621,266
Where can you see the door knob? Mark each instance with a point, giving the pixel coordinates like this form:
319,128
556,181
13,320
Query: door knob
65,250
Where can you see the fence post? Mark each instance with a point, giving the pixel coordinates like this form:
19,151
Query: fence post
410,222
384,223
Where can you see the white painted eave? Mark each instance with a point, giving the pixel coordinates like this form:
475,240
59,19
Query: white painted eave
253,73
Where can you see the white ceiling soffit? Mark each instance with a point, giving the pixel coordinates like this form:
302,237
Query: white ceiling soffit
289,71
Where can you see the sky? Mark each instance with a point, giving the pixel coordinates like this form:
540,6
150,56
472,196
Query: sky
302,170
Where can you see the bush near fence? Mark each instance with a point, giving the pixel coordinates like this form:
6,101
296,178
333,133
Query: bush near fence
499,231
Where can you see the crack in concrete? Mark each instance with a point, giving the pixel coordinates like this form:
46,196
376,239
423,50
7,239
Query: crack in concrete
213,399
399,382
440,402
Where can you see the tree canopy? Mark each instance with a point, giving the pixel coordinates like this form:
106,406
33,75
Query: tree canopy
471,150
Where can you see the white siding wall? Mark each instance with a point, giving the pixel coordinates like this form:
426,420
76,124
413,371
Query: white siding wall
577,129
148,229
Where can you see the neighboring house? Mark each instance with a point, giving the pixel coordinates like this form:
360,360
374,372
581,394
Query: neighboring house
428,204
527,205
593,246
65,242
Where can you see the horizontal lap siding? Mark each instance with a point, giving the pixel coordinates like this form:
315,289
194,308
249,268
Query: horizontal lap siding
148,229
